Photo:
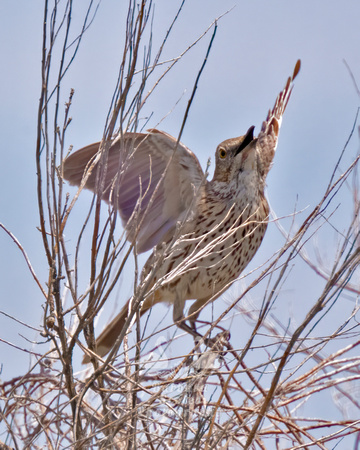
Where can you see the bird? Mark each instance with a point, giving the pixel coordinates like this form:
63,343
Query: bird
206,231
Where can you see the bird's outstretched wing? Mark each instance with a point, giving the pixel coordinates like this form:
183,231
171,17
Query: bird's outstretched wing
136,180
269,132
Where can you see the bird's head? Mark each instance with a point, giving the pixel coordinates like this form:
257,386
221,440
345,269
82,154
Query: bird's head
237,159
245,161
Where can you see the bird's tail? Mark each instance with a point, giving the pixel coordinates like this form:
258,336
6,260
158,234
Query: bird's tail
108,337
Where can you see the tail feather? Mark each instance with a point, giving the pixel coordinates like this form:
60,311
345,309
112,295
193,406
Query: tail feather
108,337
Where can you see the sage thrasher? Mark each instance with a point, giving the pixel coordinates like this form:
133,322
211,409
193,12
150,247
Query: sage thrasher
206,231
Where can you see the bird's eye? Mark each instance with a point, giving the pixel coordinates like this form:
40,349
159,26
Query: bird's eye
222,153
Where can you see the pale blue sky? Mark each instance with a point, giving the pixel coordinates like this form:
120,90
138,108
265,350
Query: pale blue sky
256,47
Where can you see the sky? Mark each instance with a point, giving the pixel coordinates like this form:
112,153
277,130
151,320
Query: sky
255,49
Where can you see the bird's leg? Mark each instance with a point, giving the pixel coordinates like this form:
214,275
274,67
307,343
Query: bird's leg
217,343
194,311
179,319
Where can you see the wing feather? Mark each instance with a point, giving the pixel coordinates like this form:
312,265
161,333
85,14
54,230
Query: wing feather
135,180
269,133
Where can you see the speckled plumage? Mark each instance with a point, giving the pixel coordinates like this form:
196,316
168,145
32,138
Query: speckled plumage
208,230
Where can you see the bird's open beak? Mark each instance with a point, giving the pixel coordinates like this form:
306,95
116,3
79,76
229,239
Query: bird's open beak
249,137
